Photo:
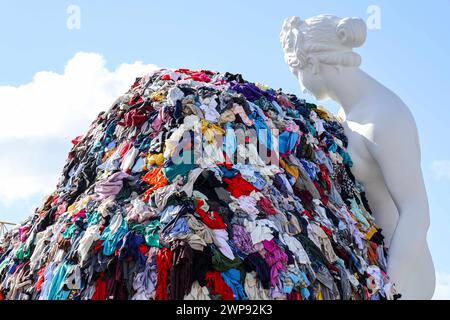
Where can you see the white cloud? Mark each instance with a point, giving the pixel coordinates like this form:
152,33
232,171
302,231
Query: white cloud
442,286
441,169
56,104
38,119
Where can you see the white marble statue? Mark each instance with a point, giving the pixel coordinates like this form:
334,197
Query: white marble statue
383,140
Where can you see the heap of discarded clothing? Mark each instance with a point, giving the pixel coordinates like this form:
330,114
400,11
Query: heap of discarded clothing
127,221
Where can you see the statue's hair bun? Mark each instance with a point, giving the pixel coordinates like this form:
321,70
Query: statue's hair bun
352,32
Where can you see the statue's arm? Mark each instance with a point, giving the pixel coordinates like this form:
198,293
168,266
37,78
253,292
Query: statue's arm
396,148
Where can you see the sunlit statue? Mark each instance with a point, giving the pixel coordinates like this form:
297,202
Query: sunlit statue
383,140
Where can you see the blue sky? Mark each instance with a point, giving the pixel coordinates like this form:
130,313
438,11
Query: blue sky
409,54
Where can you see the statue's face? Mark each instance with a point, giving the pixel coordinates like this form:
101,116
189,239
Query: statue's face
311,81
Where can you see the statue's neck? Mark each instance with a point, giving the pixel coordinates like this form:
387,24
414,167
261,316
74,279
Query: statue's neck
350,87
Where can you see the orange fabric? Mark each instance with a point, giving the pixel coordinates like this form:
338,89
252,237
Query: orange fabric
156,179
108,154
372,253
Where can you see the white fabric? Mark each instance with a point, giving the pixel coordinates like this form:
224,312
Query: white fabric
259,230
296,248
220,237
175,94
254,289
91,235
197,293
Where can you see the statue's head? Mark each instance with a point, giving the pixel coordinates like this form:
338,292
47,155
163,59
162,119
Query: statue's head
319,45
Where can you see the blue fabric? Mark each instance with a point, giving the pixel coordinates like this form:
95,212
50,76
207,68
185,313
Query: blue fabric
262,131
130,247
57,281
111,240
259,182
180,227
232,279
230,141
310,168
228,173
288,141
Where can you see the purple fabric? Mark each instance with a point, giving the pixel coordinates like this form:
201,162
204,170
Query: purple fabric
242,239
275,258
251,91
111,186
160,120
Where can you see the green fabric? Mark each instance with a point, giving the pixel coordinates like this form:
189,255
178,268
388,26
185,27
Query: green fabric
310,247
359,214
346,159
150,232
3,264
293,113
222,263
23,253
310,127
70,231
264,104
93,218
176,169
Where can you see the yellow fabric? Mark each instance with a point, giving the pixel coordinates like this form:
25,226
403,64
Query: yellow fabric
155,159
322,113
262,86
371,232
158,96
319,295
211,131
292,170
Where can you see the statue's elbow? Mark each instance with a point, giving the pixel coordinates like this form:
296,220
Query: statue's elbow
419,215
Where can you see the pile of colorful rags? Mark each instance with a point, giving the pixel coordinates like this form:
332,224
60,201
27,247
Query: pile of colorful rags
129,220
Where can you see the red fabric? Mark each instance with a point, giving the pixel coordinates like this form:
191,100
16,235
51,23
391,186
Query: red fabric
81,214
76,140
211,219
135,100
100,289
294,295
163,264
327,231
143,249
199,76
308,214
285,103
325,176
238,186
217,286
202,76
136,84
135,117
266,206
40,280
166,77
125,149
323,197
98,245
